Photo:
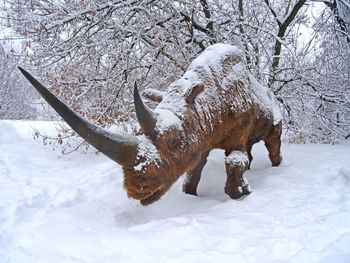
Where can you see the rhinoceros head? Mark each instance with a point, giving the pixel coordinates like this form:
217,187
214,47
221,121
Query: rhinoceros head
150,161
164,151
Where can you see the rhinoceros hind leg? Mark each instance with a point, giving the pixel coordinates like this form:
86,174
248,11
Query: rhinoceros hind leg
237,186
273,144
193,177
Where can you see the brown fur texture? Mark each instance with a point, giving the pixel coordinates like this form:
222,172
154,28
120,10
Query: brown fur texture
217,104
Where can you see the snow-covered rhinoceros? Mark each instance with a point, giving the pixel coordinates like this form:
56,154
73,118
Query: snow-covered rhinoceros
216,104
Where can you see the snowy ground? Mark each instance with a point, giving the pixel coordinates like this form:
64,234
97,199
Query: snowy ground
74,209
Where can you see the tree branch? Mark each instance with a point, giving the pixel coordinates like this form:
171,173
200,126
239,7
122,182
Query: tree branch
281,33
342,24
290,18
273,13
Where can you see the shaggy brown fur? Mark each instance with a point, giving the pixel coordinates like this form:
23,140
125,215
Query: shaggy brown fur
208,121
216,104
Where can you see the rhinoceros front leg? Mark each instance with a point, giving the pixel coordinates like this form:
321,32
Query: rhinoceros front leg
237,162
193,176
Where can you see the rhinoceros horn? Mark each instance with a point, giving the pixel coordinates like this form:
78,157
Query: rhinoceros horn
144,115
120,148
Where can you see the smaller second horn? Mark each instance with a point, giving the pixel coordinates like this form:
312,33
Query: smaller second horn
145,116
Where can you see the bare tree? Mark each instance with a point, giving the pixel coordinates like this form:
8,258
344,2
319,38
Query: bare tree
91,53
16,102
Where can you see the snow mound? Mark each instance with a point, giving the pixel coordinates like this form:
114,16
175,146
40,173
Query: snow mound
74,208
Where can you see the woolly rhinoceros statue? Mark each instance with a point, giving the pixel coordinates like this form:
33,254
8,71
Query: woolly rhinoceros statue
216,104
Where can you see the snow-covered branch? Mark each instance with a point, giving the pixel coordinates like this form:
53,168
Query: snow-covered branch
91,53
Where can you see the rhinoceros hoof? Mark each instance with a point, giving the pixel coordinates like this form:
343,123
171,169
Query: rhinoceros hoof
239,192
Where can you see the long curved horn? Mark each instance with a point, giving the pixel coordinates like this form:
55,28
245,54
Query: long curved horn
118,147
144,115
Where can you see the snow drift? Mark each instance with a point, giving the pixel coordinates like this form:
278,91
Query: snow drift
74,208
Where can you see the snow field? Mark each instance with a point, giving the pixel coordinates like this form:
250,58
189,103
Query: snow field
74,208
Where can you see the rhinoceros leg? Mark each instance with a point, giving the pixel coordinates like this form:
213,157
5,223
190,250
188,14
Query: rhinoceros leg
273,144
193,176
237,162
250,156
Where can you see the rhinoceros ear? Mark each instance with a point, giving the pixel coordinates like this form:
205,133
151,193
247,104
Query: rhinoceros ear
193,92
153,95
